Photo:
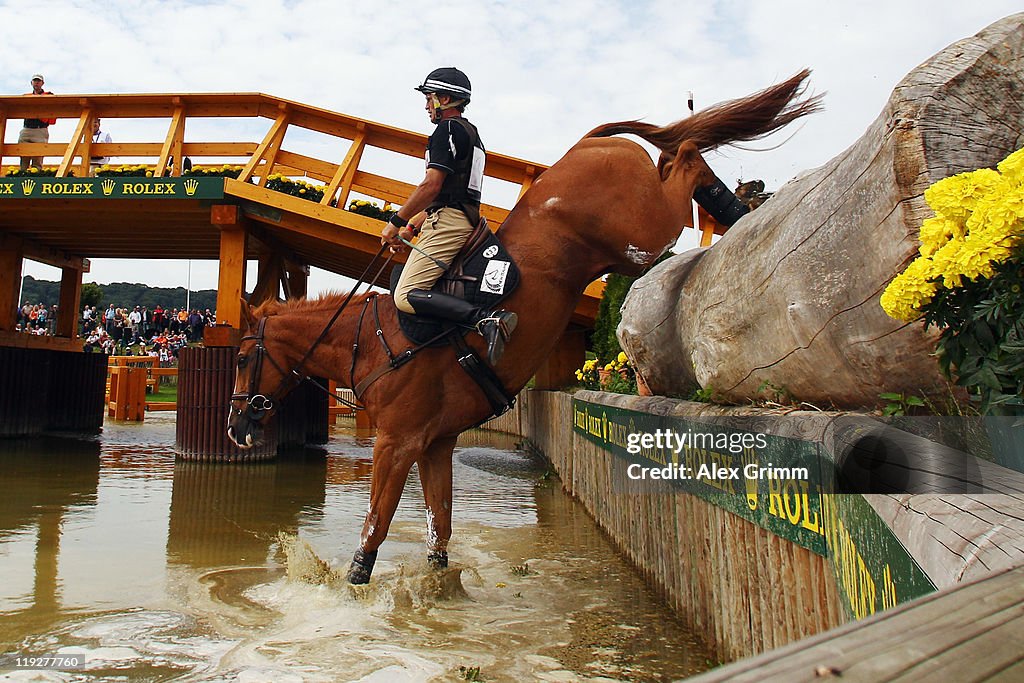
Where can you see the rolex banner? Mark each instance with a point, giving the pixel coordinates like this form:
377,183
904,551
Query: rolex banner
111,188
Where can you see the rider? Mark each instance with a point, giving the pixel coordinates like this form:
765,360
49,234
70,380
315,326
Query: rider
450,195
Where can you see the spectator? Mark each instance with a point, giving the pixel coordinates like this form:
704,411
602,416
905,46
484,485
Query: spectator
134,321
87,314
98,136
195,324
159,319
35,130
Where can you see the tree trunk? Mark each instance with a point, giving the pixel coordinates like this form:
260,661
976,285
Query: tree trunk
787,300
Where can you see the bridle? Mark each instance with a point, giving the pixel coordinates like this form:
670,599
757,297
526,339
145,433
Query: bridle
258,405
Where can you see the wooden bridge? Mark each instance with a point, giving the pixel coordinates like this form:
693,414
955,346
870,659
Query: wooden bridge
287,234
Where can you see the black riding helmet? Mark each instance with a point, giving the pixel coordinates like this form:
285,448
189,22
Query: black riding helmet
447,81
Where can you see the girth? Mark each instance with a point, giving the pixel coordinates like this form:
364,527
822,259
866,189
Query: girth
497,396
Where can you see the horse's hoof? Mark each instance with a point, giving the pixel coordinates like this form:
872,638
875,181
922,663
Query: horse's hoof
438,560
362,567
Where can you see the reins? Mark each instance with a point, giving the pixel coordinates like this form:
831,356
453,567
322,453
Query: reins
259,404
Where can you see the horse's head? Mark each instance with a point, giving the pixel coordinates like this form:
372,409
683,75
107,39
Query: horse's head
262,378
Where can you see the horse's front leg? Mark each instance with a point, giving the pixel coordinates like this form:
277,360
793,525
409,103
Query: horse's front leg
436,477
391,464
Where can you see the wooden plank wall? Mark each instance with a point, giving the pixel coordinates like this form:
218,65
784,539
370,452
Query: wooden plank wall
744,589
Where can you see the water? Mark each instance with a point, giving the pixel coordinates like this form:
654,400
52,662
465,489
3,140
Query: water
159,570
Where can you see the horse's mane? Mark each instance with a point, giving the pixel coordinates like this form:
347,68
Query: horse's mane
740,120
327,300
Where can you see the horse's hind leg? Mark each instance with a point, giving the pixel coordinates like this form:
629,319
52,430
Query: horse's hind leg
392,461
436,477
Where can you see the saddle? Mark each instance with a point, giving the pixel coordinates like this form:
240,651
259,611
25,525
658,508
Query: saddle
482,273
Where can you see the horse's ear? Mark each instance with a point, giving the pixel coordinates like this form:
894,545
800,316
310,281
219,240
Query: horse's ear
247,317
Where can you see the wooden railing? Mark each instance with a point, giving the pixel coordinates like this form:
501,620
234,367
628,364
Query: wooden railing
129,379
260,159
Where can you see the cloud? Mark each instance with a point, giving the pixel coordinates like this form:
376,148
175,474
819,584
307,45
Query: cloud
543,73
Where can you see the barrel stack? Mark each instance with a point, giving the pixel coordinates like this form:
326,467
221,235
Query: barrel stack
206,378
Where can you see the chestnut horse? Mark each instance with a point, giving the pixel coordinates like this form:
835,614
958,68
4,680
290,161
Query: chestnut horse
604,207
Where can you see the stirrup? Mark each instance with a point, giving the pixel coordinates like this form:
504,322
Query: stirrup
504,328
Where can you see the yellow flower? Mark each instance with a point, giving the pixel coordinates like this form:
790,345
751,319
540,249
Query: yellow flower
979,223
1012,167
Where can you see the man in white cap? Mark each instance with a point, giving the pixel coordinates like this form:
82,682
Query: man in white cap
35,130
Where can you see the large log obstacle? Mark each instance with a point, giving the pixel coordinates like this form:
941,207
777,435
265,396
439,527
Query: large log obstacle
788,298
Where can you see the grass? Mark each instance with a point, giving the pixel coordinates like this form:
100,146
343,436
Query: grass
168,393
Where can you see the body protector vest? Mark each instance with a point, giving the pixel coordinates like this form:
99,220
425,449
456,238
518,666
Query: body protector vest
461,189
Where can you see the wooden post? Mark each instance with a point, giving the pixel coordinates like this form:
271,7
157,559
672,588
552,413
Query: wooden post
296,279
82,132
231,278
559,370
70,300
268,280
11,258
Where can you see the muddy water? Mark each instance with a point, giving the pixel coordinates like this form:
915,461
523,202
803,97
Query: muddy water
156,570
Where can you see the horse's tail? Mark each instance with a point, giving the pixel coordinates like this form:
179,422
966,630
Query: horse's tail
744,119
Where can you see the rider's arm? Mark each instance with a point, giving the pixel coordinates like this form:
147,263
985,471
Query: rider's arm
418,201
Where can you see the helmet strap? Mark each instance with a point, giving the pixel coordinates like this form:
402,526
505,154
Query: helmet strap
436,108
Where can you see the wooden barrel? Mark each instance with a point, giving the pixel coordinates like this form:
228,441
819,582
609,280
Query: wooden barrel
206,378
44,389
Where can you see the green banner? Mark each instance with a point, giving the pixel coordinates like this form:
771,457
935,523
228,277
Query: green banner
782,484
27,187
769,480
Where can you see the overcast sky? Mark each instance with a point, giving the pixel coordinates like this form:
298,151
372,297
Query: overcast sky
543,73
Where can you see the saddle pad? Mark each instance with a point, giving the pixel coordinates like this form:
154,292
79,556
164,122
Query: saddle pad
488,277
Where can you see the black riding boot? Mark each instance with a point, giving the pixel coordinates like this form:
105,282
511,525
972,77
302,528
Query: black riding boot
494,326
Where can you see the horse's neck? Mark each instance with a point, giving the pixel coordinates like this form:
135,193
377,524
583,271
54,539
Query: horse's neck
331,357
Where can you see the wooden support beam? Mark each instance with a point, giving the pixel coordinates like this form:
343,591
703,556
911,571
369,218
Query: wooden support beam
268,279
231,277
346,172
528,178
272,139
559,370
708,227
70,300
11,261
172,144
36,251
3,132
296,280
81,132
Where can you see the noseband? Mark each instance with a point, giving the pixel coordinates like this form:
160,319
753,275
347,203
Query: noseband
258,405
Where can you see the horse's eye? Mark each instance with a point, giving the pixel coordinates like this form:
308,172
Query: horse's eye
241,361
